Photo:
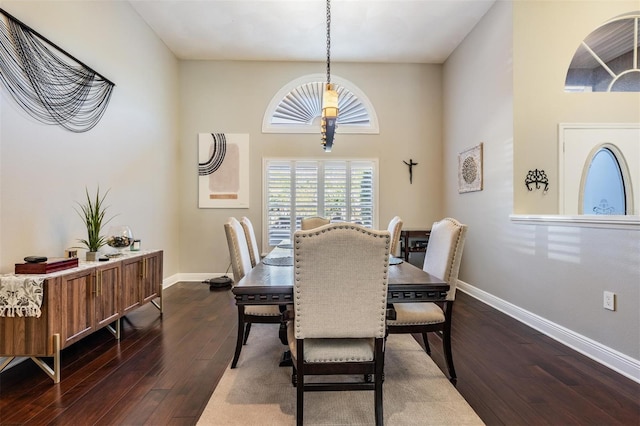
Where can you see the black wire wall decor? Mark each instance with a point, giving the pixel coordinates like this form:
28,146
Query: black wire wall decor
538,177
48,83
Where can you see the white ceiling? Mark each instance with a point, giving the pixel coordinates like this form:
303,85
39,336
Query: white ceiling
400,31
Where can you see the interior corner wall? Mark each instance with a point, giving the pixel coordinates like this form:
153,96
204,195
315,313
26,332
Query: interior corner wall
555,273
232,97
45,169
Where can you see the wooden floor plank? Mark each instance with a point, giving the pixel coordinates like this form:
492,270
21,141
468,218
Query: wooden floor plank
164,370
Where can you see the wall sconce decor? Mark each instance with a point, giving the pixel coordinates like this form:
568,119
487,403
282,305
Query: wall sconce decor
538,177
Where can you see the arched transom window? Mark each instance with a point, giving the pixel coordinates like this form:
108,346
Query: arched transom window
296,108
607,59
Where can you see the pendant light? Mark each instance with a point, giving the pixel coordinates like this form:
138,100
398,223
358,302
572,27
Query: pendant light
329,97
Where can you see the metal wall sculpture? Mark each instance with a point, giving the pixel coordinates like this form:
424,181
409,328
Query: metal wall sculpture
538,177
48,83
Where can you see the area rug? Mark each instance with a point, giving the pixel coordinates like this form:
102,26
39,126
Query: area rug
259,392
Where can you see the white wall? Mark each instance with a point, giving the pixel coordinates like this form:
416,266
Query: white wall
132,151
232,97
555,274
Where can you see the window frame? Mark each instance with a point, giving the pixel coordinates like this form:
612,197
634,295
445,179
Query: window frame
265,187
623,172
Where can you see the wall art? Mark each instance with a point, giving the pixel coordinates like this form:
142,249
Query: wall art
470,170
48,83
223,170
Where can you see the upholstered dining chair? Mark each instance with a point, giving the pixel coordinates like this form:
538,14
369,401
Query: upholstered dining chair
252,242
241,264
313,222
338,267
442,259
395,227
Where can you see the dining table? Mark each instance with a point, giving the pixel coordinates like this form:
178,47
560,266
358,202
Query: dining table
270,282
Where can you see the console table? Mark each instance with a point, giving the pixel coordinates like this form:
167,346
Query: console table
79,301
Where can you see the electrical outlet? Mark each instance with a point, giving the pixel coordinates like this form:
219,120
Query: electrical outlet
610,300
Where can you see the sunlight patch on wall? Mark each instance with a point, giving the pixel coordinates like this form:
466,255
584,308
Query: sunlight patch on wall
563,244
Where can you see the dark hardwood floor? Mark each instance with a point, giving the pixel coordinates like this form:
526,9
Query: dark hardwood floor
163,371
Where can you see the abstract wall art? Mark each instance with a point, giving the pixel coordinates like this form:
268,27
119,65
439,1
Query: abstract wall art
223,170
470,170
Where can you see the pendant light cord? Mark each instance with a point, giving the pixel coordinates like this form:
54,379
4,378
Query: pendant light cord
328,41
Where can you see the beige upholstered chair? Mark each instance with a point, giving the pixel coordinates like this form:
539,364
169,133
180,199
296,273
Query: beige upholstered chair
241,264
313,222
252,242
442,259
395,226
337,267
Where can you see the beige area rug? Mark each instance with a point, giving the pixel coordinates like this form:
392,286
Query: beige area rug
259,392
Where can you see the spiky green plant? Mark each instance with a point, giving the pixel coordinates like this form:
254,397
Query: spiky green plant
93,215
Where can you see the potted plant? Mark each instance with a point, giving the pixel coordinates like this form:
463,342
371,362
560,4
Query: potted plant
93,213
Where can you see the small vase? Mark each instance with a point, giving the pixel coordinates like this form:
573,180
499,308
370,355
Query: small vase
92,256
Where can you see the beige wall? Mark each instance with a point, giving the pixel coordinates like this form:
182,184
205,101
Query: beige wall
553,275
232,97
132,151
542,37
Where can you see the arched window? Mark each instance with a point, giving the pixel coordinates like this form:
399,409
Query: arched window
607,59
603,186
296,108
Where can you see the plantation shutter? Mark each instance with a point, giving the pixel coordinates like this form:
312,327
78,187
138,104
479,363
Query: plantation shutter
341,190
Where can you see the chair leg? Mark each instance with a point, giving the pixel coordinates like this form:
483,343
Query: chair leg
378,377
247,330
427,348
236,355
300,401
446,341
446,345
300,383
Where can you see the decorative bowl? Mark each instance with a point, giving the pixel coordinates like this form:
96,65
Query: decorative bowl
120,237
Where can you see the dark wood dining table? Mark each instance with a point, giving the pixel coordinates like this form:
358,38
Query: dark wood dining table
268,284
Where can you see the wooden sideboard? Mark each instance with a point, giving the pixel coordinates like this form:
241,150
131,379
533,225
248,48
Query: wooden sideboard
79,301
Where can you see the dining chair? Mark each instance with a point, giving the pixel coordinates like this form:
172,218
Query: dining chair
312,222
340,299
252,242
442,260
241,264
395,228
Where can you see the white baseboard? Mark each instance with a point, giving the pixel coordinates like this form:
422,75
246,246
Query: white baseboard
619,362
169,281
